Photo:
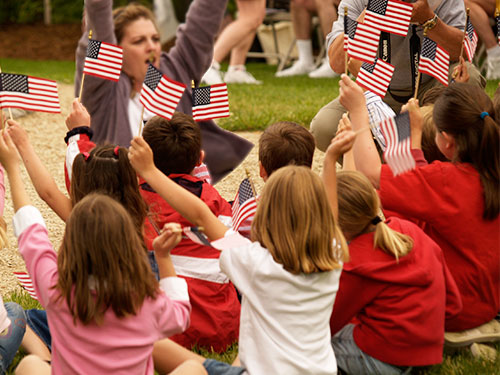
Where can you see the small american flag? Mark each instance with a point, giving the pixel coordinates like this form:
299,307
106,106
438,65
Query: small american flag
26,283
434,61
244,205
375,77
210,102
103,60
396,131
201,171
392,16
470,41
196,235
29,93
362,41
159,94
498,25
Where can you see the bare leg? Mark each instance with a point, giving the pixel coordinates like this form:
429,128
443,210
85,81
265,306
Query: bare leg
327,14
301,19
250,16
480,11
190,367
167,356
33,364
34,345
239,52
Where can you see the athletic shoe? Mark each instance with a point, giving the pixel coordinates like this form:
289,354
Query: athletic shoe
483,352
493,68
297,69
488,332
213,75
323,71
240,75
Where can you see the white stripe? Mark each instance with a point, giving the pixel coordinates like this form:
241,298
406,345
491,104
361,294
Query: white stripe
199,268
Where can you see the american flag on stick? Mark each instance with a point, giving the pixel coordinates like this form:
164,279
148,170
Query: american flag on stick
362,40
103,60
29,93
196,235
470,40
159,94
396,131
26,283
244,205
392,16
497,18
434,61
210,102
375,77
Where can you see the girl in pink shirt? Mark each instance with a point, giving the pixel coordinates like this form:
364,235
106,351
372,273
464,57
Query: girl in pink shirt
104,306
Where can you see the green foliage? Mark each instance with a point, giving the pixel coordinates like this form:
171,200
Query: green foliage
61,71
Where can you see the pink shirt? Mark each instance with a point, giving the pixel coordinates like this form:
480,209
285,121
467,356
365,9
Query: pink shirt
118,346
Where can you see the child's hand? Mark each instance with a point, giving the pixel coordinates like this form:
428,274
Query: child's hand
140,156
78,116
170,236
17,133
340,144
344,124
461,73
416,122
9,157
351,95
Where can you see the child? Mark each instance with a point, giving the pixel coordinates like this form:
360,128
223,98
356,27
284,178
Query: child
176,145
458,200
288,277
99,292
393,268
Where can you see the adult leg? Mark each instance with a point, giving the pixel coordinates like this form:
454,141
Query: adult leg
33,364
11,337
324,125
167,356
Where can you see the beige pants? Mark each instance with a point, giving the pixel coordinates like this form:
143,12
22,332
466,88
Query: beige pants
324,124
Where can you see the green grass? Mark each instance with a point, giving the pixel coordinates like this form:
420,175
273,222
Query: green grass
253,107
459,363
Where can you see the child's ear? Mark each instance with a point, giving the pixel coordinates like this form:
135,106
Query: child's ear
201,159
262,172
450,143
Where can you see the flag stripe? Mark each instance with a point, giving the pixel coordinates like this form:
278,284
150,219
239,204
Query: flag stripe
210,102
107,63
378,80
395,17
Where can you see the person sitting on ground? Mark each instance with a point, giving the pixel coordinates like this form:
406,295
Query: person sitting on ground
301,12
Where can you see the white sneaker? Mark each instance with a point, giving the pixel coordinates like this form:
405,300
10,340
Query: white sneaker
240,75
493,68
213,75
323,71
297,69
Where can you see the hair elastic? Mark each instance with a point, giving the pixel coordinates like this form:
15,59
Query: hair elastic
117,148
86,155
483,115
376,220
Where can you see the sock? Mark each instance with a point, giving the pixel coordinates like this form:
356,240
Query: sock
305,51
494,51
215,65
233,68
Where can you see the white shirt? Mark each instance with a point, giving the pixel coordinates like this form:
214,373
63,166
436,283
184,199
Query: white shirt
285,318
134,114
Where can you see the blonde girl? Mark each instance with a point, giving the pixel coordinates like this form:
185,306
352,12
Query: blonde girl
288,274
100,295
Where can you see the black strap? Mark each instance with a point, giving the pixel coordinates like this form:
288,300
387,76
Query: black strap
385,47
414,60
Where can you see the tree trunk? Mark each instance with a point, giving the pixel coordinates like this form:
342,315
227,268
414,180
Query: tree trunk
47,12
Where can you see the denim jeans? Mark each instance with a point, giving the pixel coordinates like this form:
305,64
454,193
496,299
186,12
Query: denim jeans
214,367
37,321
11,337
154,264
353,360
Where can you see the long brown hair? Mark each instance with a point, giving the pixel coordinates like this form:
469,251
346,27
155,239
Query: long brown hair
295,224
359,204
101,263
107,169
466,113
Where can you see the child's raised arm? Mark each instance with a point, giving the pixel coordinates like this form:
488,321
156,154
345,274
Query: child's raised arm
187,204
366,156
43,182
10,162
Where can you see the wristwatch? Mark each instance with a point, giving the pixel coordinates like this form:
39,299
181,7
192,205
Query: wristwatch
431,23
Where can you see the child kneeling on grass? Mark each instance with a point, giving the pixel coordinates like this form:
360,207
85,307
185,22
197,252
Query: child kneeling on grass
288,276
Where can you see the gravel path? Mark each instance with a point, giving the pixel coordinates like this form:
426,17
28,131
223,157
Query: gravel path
46,133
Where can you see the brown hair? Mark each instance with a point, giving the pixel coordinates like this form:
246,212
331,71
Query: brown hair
430,96
123,16
458,112
285,143
359,204
107,169
429,147
176,143
101,264
295,224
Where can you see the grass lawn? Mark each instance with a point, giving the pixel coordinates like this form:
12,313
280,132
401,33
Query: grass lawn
254,108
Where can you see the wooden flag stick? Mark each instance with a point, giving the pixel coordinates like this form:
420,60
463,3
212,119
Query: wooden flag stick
346,55
141,122
418,75
465,31
251,182
83,75
10,111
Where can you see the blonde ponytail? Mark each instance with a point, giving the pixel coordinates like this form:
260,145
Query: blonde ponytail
392,242
4,242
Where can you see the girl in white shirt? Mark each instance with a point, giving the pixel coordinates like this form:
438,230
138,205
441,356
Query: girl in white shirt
288,275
